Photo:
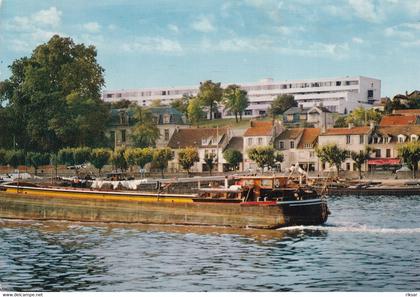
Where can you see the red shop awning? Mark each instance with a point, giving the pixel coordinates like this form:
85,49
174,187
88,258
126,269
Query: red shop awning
384,161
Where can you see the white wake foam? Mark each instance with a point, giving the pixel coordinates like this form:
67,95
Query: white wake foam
355,229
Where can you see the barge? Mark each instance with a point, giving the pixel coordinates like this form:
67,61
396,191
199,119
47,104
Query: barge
254,202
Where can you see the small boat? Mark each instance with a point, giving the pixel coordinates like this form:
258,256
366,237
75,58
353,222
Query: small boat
254,202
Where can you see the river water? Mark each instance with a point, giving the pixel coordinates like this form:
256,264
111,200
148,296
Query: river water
368,244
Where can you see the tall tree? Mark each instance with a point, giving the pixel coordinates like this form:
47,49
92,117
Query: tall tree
54,97
235,100
233,157
36,160
265,156
410,153
161,157
210,94
361,116
195,111
360,158
145,132
118,159
99,158
333,155
181,104
187,157
281,104
14,158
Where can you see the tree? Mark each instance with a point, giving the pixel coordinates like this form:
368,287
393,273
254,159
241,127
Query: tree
161,157
360,158
265,156
66,156
143,156
187,157
14,158
81,155
235,100
118,159
233,157
54,97
181,104
410,153
36,160
54,161
195,111
156,103
340,122
333,155
3,157
99,158
210,159
210,94
121,104
145,132
282,103
361,116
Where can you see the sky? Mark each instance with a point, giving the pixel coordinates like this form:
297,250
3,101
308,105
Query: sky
164,43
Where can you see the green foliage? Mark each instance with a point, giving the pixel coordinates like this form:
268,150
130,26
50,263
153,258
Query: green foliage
210,94
118,159
3,157
360,158
36,160
187,157
361,116
341,122
181,104
161,157
195,111
121,104
235,100
265,156
81,155
53,97
410,153
233,157
333,155
156,103
281,104
99,157
66,157
145,132
210,159
14,158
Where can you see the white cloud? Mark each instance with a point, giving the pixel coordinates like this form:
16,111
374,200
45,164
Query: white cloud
403,31
153,44
366,10
49,17
357,40
40,35
270,7
287,30
174,28
203,24
92,27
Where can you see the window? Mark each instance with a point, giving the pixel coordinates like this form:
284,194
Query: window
414,137
122,135
166,118
248,112
361,139
292,144
338,83
166,134
348,139
370,93
307,145
260,140
388,153
347,166
401,138
108,95
281,144
249,141
311,154
377,153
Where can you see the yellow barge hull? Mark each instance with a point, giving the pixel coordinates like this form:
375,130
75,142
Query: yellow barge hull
131,207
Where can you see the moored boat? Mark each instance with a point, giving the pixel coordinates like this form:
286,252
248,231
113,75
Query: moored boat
256,202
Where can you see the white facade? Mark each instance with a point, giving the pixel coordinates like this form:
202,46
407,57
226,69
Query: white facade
338,94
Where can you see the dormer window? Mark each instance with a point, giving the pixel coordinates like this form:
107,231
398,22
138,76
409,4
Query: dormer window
401,138
386,139
414,137
307,145
204,141
166,118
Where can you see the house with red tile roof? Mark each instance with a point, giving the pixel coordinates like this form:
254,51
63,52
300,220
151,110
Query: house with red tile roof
298,147
206,140
350,138
259,133
399,120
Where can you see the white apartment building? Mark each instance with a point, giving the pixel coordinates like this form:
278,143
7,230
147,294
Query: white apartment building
338,94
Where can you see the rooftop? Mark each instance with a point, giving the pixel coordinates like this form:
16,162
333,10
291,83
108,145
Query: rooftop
259,129
309,136
291,133
398,119
196,137
347,131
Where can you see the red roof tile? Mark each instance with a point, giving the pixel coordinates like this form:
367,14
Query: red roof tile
192,137
310,135
396,119
347,131
259,129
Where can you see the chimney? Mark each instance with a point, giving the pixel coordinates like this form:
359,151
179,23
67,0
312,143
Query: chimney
351,125
372,125
301,106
